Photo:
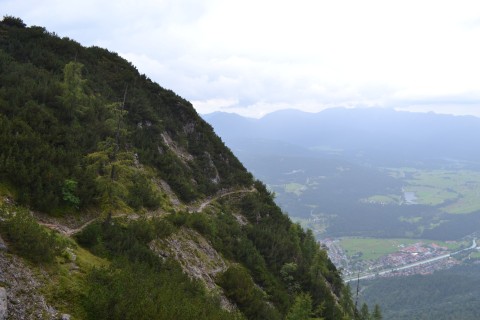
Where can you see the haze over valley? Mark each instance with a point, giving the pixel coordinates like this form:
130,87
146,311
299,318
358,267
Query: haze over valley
389,193
365,172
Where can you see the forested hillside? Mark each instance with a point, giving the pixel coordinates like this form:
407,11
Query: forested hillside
153,217
447,294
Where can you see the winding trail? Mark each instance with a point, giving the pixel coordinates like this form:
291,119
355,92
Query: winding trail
205,203
67,231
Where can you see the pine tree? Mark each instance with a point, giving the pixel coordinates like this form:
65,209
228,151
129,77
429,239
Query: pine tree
301,308
346,301
364,313
74,98
377,314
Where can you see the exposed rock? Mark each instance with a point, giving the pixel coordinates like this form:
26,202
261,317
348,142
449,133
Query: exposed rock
71,254
178,151
216,178
189,128
163,185
146,122
73,267
8,200
65,317
3,304
3,245
136,161
23,298
197,258
195,254
240,219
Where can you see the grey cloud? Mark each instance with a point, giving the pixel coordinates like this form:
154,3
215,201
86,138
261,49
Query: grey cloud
206,51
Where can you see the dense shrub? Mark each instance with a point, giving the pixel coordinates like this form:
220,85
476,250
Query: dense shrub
239,287
28,238
138,284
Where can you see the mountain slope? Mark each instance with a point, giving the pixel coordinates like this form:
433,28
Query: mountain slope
173,225
447,294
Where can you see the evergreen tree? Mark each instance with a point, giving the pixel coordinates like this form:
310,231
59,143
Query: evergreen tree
364,312
113,171
346,301
74,98
68,191
13,22
377,314
301,308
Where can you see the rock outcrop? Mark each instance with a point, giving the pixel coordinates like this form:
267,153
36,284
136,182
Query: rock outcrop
21,295
3,304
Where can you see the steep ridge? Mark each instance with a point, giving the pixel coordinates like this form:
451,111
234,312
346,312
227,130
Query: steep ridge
155,218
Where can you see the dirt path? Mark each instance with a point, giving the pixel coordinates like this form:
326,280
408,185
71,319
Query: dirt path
205,203
67,231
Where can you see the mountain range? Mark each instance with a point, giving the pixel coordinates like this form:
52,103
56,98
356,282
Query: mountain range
377,136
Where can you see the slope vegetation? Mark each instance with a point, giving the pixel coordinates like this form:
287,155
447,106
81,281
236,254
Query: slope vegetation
157,218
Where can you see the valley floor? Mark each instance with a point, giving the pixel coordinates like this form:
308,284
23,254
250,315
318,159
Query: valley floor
397,257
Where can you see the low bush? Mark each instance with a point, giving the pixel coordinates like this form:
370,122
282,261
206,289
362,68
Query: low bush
28,238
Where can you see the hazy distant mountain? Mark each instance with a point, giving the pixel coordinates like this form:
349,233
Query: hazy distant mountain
379,136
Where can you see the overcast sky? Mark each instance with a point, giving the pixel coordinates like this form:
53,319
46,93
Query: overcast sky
256,56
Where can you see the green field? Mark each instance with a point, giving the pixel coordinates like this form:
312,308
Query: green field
410,219
372,249
384,199
317,223
456,192
295,188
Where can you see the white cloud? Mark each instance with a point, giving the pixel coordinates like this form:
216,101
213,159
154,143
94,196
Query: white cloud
258,56
212,105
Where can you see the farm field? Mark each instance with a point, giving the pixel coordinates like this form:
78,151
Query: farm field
455,192
295,188
373,249
384,199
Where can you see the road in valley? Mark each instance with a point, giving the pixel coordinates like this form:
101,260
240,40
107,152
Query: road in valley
411,265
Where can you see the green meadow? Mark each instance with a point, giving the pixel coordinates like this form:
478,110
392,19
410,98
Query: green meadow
455,192
295,188
371,248
384,199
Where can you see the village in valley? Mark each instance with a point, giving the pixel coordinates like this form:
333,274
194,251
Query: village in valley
409,258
